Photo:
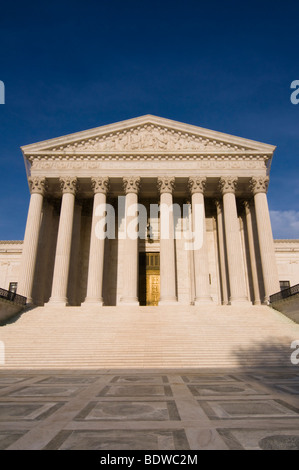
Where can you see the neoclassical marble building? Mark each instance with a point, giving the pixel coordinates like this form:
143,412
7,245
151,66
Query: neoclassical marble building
83,182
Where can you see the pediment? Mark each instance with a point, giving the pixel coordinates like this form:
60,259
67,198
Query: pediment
147,134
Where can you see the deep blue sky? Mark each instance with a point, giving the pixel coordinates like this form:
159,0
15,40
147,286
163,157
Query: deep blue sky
224,65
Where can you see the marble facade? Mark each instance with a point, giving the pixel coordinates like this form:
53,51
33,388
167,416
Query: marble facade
66,258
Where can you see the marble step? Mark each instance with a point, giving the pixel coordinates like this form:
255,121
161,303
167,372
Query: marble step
76,338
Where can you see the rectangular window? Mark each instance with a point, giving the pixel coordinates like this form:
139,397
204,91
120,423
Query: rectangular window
13,286
284,285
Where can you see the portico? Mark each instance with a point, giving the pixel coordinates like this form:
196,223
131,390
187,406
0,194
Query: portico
195,197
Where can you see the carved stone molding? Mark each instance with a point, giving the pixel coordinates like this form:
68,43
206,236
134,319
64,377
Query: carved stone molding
131,185
100,184
228,184
166,184
69,184
37,185
259,184
197,184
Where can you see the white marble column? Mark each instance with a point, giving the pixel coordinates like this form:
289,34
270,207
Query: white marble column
97,242
200,253
259,186
233,242
221,248
252,253
130,267
42,262
30,245
64,239
167,248
74,282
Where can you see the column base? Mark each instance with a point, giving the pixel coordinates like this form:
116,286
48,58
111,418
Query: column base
168,301
91,302
57,302
128,301
240,302
203,300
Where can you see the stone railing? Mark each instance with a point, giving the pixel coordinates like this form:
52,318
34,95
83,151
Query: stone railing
285,293
12,296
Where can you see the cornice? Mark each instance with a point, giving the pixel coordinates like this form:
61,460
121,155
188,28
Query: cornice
144,154
149,127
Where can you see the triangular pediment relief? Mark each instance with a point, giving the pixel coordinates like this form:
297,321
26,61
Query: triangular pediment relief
149,138
148,134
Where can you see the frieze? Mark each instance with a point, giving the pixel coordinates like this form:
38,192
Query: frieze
66,164
149,137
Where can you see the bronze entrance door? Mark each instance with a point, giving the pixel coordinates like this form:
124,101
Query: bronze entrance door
149,278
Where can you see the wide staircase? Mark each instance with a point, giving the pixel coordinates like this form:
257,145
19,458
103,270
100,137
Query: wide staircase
148,338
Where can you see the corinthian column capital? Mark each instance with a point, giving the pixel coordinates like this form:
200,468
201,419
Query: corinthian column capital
228,184
131,184
166,184
69,184
37,185
197,184
259,184
100,184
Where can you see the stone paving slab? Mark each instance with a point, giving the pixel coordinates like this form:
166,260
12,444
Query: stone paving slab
149,410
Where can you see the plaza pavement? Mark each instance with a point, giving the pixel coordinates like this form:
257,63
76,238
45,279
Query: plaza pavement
174,409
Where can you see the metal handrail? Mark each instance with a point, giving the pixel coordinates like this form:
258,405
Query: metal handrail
285,293
12,296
